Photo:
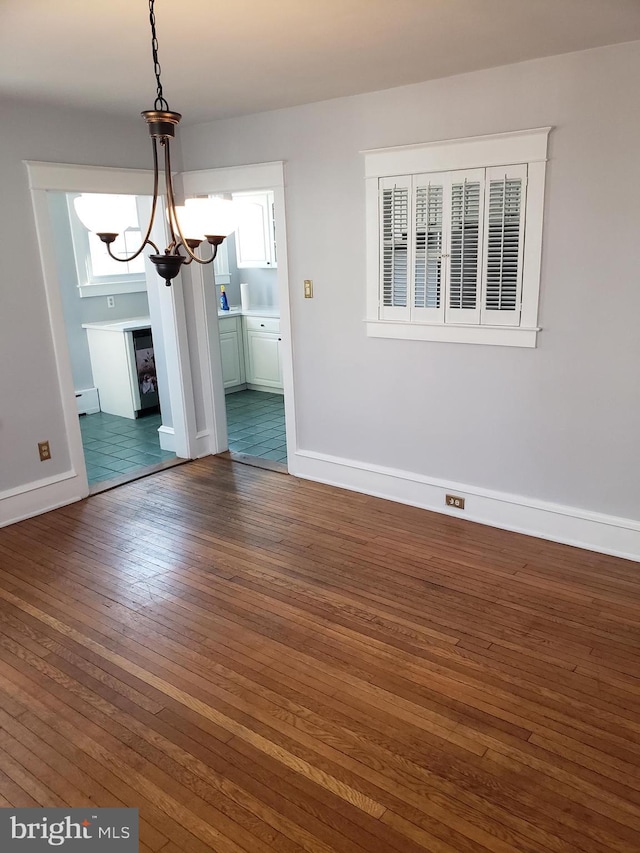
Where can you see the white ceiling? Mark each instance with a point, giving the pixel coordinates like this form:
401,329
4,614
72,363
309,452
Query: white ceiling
242,56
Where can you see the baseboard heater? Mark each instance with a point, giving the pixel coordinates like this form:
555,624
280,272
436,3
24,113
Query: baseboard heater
87,401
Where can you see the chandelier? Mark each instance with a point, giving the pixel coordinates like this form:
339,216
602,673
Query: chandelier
210,219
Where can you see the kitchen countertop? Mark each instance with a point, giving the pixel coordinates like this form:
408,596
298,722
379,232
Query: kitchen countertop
145,323
236,311
121,325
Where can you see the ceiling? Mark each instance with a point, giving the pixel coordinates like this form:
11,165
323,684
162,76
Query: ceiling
244,56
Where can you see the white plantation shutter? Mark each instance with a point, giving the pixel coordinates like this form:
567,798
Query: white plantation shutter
429,236
464,248
395,208
452,246
504,245
454,240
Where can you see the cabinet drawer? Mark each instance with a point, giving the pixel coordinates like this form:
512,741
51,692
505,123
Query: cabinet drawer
262,324
228,324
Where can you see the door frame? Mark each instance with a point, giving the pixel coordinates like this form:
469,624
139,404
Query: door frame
166,308
256,176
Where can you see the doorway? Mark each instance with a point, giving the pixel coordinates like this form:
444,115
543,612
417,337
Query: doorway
111,348
194,420
252,404
129,417
246,279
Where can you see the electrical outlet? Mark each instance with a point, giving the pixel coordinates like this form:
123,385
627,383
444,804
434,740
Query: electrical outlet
44,450
308,288
111,302
454,501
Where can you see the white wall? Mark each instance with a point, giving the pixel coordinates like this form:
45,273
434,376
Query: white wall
559,423
263,282
30,405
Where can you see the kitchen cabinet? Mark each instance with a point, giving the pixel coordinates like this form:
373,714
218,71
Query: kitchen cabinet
221,270
250,352
263,360
232,351
255,236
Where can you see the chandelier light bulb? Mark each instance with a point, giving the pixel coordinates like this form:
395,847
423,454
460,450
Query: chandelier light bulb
110,214
214,216
189,224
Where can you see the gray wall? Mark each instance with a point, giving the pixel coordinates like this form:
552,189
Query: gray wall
263,282
560,422
30,405
79,310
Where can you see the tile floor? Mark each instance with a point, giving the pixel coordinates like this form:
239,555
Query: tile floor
255,424
114,446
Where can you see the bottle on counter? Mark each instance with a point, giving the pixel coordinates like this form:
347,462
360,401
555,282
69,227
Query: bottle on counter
224,302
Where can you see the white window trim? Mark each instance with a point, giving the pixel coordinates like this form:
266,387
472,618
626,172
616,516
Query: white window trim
136,285
503,149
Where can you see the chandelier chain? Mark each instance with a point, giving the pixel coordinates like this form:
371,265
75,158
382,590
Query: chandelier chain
160,102
180,251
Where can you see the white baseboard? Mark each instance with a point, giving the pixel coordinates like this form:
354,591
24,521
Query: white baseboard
573,526
168,441
167,438
268,388
87,401
203,443
40,496
595,531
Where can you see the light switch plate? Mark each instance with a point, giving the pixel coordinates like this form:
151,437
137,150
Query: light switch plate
308,288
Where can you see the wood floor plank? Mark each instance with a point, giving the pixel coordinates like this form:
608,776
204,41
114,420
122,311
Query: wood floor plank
262,663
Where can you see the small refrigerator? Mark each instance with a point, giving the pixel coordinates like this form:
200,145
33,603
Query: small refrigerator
145,369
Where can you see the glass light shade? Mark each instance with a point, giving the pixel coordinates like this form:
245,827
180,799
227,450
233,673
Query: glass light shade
106,214
215,217
190,224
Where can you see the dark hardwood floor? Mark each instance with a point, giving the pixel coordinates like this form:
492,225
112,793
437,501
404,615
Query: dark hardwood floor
265,664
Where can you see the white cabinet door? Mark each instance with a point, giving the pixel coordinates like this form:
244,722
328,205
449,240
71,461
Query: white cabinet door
221,264
114,372
264,359
232,360
280,379
255,237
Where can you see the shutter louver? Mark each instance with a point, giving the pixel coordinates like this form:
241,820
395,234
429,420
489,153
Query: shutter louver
428,246
395,252
465,247
504,217
503,244
465,242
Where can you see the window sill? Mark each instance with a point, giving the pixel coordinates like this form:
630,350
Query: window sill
111,289
506,336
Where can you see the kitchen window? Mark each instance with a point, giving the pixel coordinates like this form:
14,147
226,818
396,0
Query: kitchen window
454,237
